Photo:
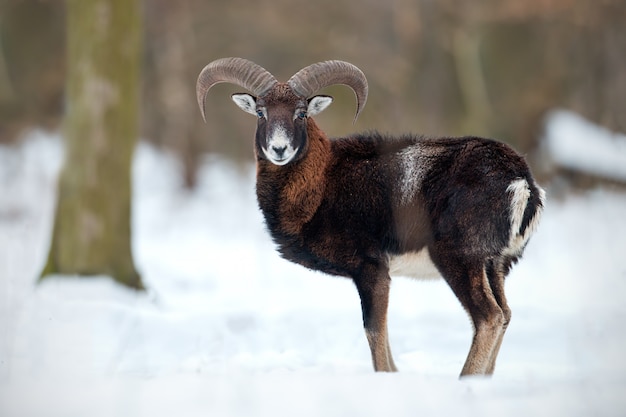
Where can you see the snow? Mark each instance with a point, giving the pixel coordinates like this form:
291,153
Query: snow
229,328
573,142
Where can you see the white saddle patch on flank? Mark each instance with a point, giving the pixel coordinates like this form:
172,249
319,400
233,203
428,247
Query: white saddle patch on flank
411,173
414,265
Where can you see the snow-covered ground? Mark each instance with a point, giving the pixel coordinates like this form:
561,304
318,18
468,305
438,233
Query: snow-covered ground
228,328
574,143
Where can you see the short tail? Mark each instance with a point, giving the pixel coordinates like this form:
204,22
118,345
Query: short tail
527,202
534,208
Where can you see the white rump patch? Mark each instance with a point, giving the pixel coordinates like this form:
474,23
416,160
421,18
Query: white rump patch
520,193
414,265
519,199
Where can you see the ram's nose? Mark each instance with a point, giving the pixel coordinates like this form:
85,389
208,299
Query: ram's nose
279,151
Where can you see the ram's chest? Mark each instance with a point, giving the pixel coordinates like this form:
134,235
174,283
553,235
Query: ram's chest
288,204
290,196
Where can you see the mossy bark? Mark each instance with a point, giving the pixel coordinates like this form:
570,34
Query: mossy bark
92,233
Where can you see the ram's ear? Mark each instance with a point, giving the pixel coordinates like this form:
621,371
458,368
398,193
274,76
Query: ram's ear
318,104
245,102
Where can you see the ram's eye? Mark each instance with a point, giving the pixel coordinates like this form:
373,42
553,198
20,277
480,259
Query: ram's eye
301,114
260,114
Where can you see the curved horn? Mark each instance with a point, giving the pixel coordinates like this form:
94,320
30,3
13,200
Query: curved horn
239,71
313,78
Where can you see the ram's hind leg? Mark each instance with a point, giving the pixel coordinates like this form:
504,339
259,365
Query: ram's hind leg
469,282
374,292
392,365
496,273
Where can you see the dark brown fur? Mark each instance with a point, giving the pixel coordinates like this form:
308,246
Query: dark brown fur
303,194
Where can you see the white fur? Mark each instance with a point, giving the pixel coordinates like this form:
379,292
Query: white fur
278,138
520,193
318,104
245,102
413,265
412,173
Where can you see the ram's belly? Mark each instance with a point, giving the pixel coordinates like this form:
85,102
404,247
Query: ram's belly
414,265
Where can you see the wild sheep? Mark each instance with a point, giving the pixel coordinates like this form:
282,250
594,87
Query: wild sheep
368,206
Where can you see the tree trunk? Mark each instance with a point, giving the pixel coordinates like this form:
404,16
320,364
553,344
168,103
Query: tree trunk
92,233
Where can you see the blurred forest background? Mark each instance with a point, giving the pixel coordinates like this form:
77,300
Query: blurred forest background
445,67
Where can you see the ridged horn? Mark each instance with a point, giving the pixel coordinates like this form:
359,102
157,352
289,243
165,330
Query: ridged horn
313,78
238,71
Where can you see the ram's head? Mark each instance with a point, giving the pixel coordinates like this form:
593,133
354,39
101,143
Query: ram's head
282,109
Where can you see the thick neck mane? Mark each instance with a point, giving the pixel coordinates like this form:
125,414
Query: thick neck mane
294,192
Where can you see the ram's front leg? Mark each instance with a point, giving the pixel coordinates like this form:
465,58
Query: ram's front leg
373,287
